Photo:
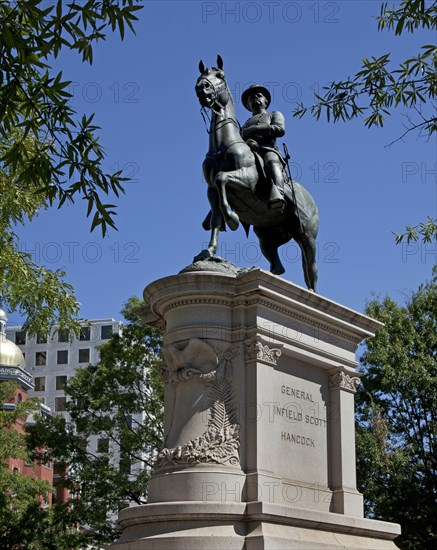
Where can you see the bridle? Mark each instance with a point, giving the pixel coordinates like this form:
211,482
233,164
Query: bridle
216,91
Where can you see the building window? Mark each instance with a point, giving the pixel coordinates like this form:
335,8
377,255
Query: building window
63,336
103,445
20,338
48,459
106,332
84,355
62,357
60,404
85,334
41,338
40,358
40,383
61,381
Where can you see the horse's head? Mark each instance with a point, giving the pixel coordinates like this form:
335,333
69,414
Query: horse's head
211,87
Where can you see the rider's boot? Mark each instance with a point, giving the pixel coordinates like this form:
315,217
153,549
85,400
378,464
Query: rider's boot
232,219
206,224
211,221
276,199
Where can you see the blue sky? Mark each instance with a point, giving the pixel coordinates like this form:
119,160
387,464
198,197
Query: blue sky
142,93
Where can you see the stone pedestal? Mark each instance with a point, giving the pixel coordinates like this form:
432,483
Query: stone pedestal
259,420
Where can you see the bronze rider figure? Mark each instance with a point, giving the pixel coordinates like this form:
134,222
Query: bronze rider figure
260,132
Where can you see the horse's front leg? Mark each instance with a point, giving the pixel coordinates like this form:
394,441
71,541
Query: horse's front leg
213,221
231,218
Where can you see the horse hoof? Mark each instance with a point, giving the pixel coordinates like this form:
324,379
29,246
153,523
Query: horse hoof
203,255
277,270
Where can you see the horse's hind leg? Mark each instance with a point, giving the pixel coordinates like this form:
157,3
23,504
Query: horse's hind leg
308,247
269,243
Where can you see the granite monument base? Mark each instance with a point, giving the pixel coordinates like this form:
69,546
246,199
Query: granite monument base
247,526
259,447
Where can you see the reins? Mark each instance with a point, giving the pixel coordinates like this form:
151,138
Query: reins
205,116
204,112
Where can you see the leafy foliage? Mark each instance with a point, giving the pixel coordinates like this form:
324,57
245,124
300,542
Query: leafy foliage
24,524
16,491
43,529
119,399
397,417
67,156
379,88
426,230
48,154
40,293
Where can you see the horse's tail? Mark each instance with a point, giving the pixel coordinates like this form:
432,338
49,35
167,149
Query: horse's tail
305,216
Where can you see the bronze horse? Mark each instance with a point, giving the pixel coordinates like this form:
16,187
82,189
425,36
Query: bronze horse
236,186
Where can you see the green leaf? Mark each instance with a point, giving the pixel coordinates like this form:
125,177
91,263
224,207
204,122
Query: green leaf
7,36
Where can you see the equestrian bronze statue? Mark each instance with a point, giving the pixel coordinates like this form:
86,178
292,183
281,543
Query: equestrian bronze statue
244,184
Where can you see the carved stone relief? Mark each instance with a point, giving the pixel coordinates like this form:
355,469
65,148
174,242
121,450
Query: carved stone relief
344,381
220,442
256,350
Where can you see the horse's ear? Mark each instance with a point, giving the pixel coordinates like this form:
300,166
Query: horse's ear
201,67
219,62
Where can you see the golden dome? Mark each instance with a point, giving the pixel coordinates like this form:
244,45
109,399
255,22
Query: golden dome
10,354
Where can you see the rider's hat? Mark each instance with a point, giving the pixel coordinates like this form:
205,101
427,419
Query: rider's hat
255,88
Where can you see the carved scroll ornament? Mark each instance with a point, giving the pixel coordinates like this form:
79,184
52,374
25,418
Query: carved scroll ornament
256,350
344,381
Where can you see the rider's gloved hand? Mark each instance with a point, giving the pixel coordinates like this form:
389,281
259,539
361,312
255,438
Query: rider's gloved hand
253,144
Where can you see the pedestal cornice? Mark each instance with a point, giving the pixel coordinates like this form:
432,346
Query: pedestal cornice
256,288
